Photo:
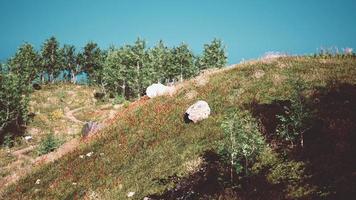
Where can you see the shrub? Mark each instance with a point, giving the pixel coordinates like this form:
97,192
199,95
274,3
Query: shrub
243,141
48,144
8,141
296,119
119,99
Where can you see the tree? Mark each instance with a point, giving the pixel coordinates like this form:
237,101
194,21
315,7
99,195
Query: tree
69,62
25,63
51,60
296,119
183,60
213,55
14,98
91,60
115,71
161,62
243,141
137,57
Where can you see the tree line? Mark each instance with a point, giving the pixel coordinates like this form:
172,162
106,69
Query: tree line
125,71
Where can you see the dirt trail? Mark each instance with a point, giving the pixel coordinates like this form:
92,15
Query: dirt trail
67,147
18,168
71,117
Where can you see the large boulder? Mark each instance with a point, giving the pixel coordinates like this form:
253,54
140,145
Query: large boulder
158,89
197,112
89,128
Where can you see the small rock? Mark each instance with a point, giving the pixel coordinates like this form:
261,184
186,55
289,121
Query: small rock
28,138
197,112
146,198
101,154
74,183
90,127
130,194
81,156
89,154
38,181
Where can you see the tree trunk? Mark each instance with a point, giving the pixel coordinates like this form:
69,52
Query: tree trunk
138,81
43,77
124,89
246,164
73,78
181,74
52,77
232,169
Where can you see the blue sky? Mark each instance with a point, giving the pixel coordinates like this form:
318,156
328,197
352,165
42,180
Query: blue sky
248,28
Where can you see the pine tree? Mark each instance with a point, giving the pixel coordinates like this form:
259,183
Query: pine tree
214,55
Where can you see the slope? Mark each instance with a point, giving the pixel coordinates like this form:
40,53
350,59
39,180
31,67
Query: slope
150,150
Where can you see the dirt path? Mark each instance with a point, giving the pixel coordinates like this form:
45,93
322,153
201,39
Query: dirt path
71,117
67,147
20,168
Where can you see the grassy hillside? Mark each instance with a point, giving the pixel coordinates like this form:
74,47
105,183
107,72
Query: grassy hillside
50,107
149,149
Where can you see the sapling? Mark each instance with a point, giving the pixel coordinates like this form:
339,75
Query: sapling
243,140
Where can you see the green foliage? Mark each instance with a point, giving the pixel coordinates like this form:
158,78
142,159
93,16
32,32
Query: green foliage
119,99
213,55
160,57
51,58
91,60
25,63
8,141
14,98
243,140
48,144
115,72
295,121
183,60
69,62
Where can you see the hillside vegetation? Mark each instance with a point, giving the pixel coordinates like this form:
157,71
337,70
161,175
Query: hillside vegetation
150,151
52,111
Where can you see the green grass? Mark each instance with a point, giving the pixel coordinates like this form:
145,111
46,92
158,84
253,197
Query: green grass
151,141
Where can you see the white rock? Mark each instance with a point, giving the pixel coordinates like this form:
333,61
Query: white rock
158,89
198,111
89,154
38,181
28,138
130,194
81,156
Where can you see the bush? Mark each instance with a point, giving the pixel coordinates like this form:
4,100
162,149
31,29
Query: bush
243,140
119,99
48,144
8,141
296,119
